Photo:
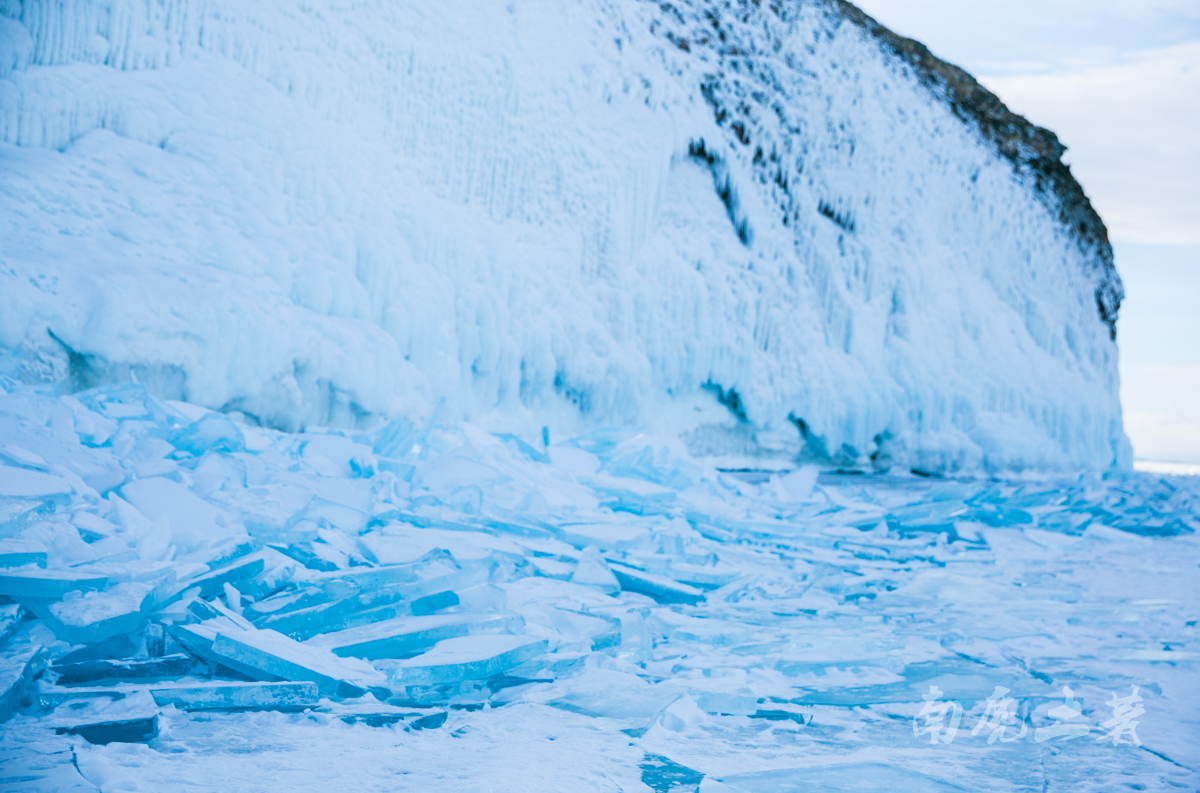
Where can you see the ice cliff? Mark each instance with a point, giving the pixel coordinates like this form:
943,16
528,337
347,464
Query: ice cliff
777,229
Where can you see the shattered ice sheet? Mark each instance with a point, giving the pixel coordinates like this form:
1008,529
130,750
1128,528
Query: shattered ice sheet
593,624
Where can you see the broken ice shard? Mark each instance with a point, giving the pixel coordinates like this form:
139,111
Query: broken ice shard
198,640
593,572
116,647
212,432
373,605
18,667
213,582
156,640
553,568
18,553
123,669
17,513
376,717
11,616
407,636
466,658
193,521
238,696
51,697
33,582
95,616
269,653
24,483
662,589
205,610
139,730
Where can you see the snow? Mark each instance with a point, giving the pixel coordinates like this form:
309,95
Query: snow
339,214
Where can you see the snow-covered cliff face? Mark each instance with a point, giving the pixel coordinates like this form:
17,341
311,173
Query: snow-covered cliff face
781,231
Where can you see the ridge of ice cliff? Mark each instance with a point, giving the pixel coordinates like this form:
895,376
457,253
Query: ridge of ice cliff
597,214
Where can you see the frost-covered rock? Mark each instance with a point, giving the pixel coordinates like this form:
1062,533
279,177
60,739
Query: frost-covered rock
567,214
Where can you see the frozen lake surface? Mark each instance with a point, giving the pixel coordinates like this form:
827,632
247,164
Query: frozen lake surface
192,603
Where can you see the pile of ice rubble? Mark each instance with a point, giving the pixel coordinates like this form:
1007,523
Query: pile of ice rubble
169,574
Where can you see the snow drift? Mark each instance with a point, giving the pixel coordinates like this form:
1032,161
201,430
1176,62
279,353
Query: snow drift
778,231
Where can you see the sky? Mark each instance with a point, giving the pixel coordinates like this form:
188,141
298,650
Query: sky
1119,82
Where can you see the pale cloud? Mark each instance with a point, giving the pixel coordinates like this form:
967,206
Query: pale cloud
1131,128
1024,36
1117,80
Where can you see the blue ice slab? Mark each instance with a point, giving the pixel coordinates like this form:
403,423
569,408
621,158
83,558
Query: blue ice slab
662,775
656,466
11,616
406,636
304,623
726,703
602,441
662,589
137,730
402,440
702,576
385,716
224,553
375,605
307,596
605,536
271,511
34,582
50,697
96,616
592,571
390,438
715,632
645,502
212,432
552,568
19,553
599,631
18,513
521,447
18,667
274,656
47,765
116,647
239,696
198,641
213,582
369,578
530,529
333,587
401,470
175,665
22,483
849,777
465,658
205,610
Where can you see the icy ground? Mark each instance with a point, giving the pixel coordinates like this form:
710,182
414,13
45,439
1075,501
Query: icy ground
602,613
